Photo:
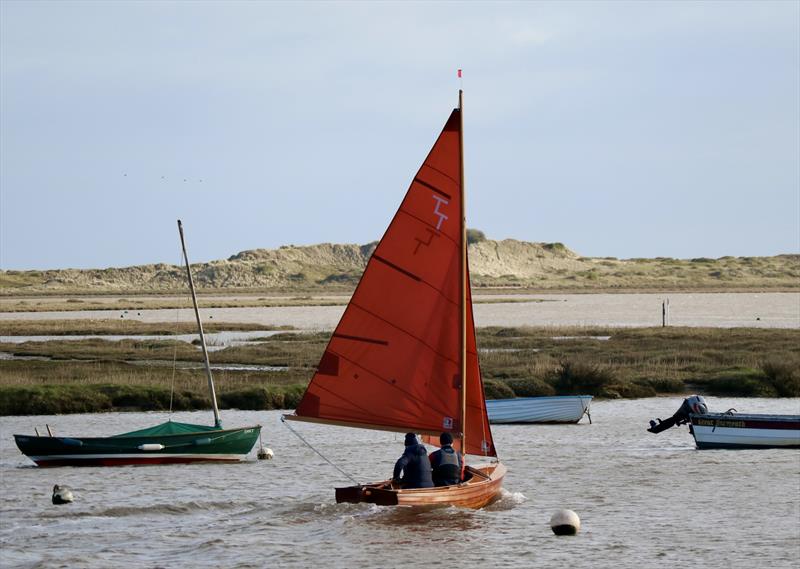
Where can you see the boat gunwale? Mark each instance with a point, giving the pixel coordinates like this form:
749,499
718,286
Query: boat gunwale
746,416
562,397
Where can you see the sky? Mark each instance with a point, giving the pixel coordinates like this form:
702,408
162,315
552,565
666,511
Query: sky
621,129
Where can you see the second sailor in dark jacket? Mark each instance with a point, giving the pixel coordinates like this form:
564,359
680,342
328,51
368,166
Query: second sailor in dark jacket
414,465
446,463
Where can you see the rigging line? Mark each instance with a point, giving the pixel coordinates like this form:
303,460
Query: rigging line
299,436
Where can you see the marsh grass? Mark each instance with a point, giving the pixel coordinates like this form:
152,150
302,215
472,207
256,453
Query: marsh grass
783,374
75,376
639,362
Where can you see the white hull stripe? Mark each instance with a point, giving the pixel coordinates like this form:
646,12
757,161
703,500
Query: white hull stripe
744,436
138,456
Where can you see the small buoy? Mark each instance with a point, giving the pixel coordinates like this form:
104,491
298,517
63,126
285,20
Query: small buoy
62,495
265,453
565,522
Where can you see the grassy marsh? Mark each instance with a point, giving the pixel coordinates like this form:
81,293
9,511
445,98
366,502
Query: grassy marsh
98,375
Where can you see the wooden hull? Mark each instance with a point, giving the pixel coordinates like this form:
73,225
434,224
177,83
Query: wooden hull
482,489
228,445
559,409
745,431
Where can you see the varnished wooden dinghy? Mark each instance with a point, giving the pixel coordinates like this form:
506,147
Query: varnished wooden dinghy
482,487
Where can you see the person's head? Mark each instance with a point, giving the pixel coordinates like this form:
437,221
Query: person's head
411,439
446,439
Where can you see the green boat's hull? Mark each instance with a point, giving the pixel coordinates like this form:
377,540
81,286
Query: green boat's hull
169,443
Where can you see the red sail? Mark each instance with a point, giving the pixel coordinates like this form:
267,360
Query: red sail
393,360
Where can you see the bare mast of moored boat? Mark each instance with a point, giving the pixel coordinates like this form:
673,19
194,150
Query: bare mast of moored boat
217,422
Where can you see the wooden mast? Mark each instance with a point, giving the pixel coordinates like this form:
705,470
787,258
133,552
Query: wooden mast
463,284
217,422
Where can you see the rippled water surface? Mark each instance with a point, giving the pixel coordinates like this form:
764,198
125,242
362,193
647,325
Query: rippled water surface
644,500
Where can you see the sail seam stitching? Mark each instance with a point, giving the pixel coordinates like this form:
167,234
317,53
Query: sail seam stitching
435,169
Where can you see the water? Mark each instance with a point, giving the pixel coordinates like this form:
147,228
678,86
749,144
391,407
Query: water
643,500
758,310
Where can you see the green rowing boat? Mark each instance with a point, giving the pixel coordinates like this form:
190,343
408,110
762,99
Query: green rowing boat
167,443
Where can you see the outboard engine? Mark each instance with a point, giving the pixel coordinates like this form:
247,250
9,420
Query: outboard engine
694,404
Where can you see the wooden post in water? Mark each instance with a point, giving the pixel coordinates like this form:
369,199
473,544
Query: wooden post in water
217,422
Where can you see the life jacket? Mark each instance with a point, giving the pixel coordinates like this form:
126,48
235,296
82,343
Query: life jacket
448,471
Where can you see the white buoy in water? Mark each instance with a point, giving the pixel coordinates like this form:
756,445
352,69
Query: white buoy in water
62,495
265,453
565,522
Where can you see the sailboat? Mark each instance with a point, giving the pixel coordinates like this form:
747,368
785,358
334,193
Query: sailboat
403,357
167,443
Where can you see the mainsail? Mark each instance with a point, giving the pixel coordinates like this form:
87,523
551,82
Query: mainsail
394,360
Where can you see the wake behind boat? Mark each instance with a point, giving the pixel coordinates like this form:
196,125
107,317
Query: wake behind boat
403,357
167,443
555,409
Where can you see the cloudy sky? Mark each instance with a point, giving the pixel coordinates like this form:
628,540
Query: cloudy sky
626,129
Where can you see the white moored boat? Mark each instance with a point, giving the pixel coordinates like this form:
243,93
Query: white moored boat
557,409
745,430
731,429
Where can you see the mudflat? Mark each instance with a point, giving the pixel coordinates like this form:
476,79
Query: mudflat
322,312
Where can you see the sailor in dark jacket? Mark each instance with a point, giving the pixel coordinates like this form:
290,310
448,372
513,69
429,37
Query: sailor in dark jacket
414,464
446,463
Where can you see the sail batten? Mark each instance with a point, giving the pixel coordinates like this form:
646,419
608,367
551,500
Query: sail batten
394,360
432,187
401,270
360,339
